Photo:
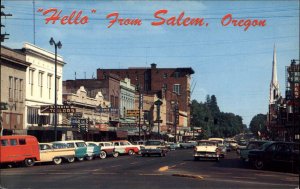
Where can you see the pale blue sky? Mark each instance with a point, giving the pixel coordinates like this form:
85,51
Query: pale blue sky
233,64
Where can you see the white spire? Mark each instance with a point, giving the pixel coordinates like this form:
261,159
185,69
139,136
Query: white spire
274,85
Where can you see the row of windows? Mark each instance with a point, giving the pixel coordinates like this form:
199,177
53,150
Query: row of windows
13,142
33,117
15,91
40,82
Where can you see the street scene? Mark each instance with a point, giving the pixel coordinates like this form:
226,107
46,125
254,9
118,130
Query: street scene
149,94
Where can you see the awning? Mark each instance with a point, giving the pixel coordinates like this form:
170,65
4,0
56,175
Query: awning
170,136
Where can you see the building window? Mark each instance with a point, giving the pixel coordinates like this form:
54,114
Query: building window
10,91
57,83
32,115
112,101
41,74
176,88
165,75
176,74
165,86
21,90
49,78
31,79
16,89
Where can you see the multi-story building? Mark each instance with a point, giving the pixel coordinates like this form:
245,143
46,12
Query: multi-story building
292,118
127,92
40,91
86,110
109,88
13,88
160,81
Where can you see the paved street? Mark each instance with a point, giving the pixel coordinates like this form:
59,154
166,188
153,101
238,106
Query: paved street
177,170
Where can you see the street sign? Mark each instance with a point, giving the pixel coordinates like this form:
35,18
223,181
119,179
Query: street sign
77,114
60,109
132,113
106,110
158,121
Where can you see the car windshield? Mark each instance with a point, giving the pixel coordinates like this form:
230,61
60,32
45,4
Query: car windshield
153,143
264,146
206,144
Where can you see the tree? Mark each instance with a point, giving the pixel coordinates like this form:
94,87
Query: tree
258,125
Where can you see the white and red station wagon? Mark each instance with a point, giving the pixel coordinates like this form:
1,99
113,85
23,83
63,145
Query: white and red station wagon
125,147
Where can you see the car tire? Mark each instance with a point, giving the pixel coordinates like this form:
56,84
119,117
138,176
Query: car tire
89,158
70,160
29,162
131,152
259,164
80,159
57,160
103,154
115,154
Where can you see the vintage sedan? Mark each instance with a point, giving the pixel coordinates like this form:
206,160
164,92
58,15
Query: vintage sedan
154,147
251,146
125,147
56,155
106,149
283,154
206,149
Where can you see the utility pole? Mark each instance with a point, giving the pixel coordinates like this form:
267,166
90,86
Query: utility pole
3,36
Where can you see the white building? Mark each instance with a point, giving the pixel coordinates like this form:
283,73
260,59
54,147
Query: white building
40,88
127,96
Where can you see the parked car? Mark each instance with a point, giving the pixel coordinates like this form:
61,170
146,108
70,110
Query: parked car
221,146
55,155
232,144
106,149
19,148
125,147
284,154
188,144
251,146
79,146
154,147
171,145
207,149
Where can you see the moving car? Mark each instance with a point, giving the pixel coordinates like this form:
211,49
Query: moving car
154,147
284,154
221,146
206,149
55,155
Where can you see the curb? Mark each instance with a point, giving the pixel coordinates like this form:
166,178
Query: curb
189,176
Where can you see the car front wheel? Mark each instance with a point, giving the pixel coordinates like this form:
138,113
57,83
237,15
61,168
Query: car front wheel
57,160
29,162
115,154
131,152
259,164
102,154
71,160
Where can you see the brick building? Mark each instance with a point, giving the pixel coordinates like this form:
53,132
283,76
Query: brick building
13,90
160,81
108,86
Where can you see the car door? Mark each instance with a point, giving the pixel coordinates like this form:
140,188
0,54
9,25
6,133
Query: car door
282,153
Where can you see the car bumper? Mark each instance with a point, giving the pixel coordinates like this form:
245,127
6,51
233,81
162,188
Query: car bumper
206,155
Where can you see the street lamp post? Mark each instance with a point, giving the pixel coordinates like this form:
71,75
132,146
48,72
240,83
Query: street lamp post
56,45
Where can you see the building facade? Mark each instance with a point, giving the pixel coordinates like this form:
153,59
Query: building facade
86,109
40,91
159,80
13,91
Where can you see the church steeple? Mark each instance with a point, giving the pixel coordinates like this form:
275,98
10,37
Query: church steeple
274,85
